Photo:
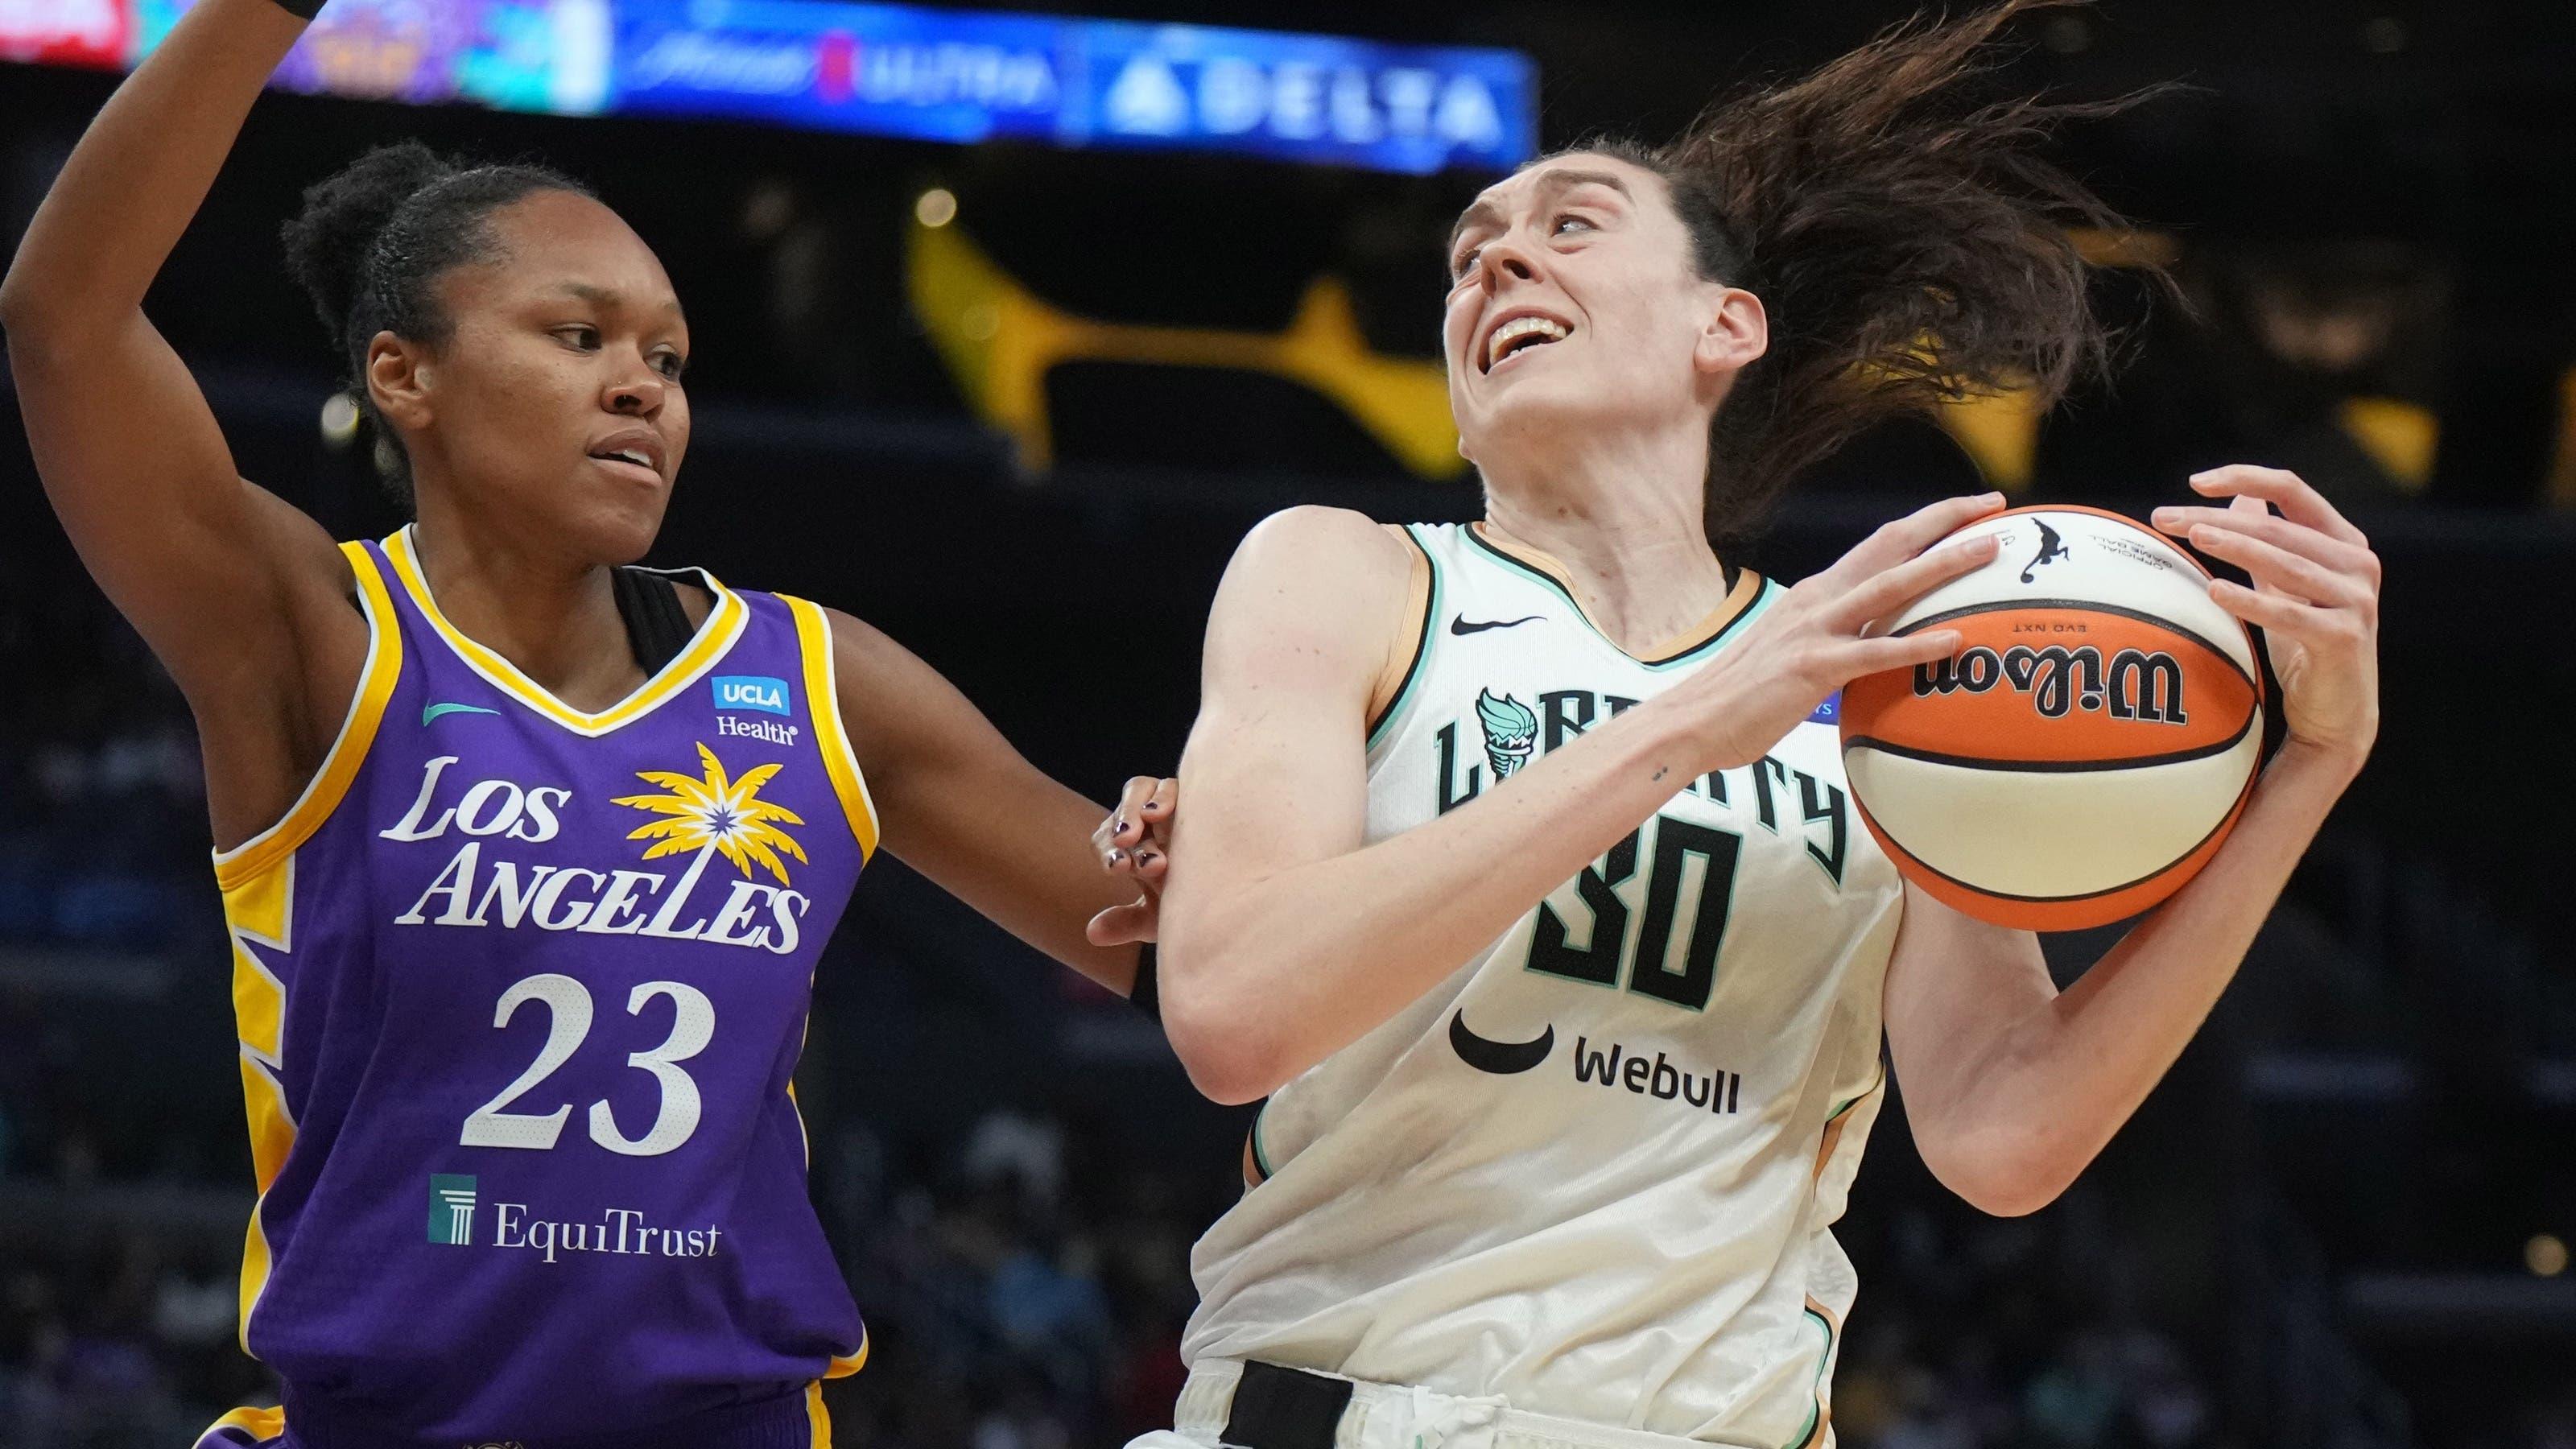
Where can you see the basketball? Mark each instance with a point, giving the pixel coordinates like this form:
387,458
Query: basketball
2089,745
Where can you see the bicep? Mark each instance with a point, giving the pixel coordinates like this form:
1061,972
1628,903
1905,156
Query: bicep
211,570
1956,986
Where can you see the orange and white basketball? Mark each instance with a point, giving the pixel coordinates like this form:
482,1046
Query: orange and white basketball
2089,745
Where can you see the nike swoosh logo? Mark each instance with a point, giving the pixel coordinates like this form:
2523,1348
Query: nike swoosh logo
1460,625
1502,1058
431,712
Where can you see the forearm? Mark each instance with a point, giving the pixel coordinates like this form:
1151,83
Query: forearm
144,167
2073,1070
1264,977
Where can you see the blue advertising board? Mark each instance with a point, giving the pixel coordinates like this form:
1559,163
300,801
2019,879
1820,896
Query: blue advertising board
890,70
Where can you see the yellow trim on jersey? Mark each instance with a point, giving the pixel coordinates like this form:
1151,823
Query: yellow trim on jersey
322,795
817,1418
823,704
258,1423
723,626
844,1365
259,915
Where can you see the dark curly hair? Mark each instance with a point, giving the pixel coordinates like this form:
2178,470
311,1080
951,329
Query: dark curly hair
1909,245
374,238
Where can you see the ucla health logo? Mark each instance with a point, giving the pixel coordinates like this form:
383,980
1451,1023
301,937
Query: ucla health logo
451,1209
751,691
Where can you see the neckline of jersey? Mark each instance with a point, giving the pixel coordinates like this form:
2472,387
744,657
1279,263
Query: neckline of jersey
1739,606
716,634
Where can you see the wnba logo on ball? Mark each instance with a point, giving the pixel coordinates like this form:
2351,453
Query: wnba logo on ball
2138,685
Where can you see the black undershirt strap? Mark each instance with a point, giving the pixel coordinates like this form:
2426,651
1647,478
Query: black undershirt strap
657,628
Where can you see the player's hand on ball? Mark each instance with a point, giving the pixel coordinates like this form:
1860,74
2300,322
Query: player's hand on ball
1820,635
1134,842
2315,594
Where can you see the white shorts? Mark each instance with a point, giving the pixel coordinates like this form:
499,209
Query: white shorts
1384,1416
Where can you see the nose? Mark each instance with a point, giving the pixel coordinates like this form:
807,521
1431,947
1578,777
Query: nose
638,394
1506,258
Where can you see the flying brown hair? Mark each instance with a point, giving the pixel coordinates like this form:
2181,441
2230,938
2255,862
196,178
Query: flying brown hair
1909,243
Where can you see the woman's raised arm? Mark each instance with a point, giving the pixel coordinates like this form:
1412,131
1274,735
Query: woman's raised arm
239,593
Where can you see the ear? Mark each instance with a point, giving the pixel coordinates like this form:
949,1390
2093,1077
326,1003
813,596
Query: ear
399,381
1737,333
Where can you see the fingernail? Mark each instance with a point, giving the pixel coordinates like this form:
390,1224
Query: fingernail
1148,858
1119,827
1117,857
1990,497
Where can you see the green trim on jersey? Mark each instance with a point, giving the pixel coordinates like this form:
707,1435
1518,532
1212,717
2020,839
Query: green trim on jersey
1752,610
1384,724
1824,1361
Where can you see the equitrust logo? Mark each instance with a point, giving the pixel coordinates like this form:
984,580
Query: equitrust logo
451,1209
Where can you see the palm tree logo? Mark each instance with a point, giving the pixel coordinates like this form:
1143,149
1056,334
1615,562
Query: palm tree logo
716,813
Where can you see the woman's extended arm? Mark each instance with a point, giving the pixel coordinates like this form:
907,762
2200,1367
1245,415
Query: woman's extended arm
1284,938
961,806
240,595
2012,1088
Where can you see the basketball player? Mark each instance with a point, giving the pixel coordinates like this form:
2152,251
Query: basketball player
1518,870
527,858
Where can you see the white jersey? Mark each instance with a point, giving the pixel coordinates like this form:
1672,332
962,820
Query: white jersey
1593,1170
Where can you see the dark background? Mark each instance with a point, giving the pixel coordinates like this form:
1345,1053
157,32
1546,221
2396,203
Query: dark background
2340,1222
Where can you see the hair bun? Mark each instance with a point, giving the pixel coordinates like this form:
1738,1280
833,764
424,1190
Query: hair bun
326,245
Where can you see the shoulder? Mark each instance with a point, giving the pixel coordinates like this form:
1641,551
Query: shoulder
1335,556
1314,594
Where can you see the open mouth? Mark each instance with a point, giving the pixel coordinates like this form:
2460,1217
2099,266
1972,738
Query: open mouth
639,459
1519,335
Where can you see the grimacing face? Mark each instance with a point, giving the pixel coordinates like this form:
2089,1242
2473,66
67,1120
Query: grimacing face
1574,300
554,402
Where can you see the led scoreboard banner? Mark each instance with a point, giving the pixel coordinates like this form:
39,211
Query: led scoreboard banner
889,70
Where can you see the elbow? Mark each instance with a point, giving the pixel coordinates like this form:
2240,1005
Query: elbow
17,303
30,325
1231,1049
2003,1173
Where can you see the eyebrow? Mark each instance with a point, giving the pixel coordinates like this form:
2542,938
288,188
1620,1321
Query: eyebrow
1551,181
607,299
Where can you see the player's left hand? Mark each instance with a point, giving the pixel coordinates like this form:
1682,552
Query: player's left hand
2315,594
1135,842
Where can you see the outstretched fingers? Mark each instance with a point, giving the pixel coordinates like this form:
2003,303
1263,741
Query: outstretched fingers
1892,589
1899,651
1901,539
2284,490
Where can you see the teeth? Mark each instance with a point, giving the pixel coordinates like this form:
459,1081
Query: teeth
1501,342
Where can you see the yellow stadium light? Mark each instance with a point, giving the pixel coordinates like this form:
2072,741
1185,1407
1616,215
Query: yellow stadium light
2545,1255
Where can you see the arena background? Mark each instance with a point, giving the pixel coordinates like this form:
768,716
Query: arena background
2343,1221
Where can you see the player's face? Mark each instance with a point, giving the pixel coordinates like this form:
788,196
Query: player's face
1574,301
557,398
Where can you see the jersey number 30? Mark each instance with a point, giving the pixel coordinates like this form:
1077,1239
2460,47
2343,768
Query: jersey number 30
1686,983
693,1025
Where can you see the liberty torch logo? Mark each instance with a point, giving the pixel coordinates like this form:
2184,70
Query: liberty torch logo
1510,730
451,1210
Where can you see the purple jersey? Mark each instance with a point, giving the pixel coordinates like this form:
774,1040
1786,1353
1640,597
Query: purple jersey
519,991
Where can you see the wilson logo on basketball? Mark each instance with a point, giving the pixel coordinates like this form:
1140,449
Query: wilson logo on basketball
2137,685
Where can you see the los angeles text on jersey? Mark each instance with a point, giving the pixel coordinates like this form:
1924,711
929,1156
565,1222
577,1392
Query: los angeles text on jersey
486,881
